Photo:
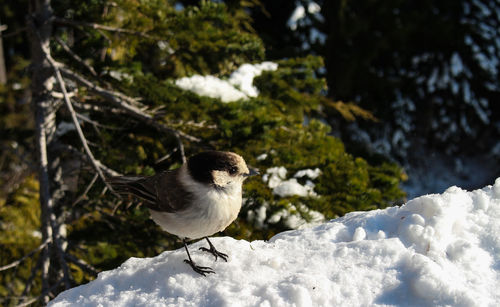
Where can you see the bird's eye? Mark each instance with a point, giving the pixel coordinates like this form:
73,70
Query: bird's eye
233,170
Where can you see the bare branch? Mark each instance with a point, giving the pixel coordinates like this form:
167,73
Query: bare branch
108,171
16,32
116,98
76,123
125,103
43,295
97,124
82,264
116,207
181,149
32,276
96,108
165,157
75,56
17,262
61,95
96,26
84,195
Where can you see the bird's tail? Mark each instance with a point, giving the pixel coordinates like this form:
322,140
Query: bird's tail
135,185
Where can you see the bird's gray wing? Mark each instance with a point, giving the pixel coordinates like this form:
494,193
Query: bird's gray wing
161,192
171,195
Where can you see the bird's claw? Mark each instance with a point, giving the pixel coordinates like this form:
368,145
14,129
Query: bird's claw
203,270
215,252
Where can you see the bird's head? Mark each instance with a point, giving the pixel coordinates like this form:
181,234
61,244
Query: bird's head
222,169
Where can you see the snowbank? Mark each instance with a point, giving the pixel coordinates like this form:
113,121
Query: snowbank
440,249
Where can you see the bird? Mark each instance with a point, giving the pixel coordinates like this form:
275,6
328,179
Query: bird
196,200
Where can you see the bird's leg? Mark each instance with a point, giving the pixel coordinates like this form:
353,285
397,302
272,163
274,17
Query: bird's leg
198,269
213,251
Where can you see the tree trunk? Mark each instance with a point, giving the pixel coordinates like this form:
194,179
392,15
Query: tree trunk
45,107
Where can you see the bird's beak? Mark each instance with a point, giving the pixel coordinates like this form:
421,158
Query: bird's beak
252,172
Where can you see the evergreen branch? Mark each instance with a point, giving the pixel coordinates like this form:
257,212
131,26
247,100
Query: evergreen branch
349,110
17,262
96,26
75,56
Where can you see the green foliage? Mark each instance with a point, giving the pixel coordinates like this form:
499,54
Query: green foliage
19,234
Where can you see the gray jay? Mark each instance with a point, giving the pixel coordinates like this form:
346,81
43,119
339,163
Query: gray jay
198,199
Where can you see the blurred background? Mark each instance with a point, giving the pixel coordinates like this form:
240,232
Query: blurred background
371,103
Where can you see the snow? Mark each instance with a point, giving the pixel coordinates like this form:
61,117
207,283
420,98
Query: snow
436,250
276,180
238,86
292,217
64,127
300,14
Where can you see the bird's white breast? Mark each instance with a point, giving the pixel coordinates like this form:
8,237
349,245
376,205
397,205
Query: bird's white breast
211,210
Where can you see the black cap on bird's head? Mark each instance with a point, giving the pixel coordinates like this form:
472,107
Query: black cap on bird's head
203,166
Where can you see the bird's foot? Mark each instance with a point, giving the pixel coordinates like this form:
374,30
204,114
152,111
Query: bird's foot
215,252
203,270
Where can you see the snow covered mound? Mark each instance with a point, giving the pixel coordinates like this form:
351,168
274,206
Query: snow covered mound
440,249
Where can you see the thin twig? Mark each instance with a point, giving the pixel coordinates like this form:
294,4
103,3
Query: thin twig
116,207
181,148
44,294
75,56
116,98
84,195
99,27
124,102
61,96
16,32
17,262
32,276
93,122
82,264
108,171
97,108
165,157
